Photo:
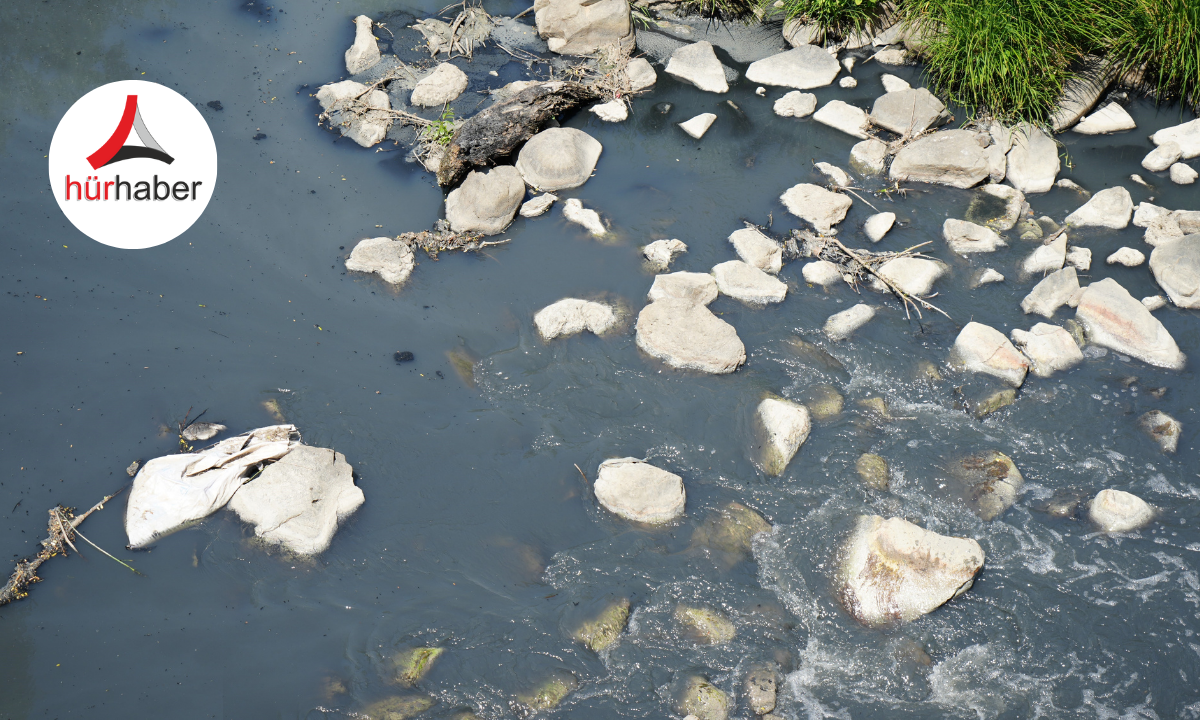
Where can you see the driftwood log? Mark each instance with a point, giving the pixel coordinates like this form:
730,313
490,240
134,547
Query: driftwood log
497,131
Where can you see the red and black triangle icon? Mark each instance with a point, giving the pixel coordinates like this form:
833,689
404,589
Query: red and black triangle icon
115,149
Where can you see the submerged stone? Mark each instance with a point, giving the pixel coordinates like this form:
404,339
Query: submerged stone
1162,428
760,687
732,529
1116,511
991,402
786,427
401,707
873,470
703,701
824,402
550,693
996,206
602,631
704,625
993,482
199,431
966,237
414,663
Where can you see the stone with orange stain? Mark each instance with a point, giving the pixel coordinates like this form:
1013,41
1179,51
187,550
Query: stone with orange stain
1114,319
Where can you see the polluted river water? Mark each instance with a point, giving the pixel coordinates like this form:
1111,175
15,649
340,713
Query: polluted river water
481,533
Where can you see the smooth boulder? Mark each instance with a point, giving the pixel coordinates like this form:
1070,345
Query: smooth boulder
1033,161
820,207
893,571
639,491
742,281
948,157
1186,136
911,275
1176,267
869,157
1049,347
821,272
1114,319
700,288
965,237
1164,429
843,116
439,87
640,74
537,206
572,315
486,202
582,27
795,104
757,249
697,126
982,349
993,482
558,159
687,336
908,112
1116,511
786,426
1109,208
364,53
698,64
1046,258
391,259
1054,291
1162,157
803,68
878,225
842,325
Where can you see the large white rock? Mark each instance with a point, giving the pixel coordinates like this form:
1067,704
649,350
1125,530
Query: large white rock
965,237
439,87
1162,157
638,491
1116,320
1176,267
982,349
869,156
1117,511
742,281
1033,161
1187,136
299,501
908,112
1146,213
1054,291
640,74
611,111
802,68
878,225
391,259
821,272
820,207
1126,256
840,326
1049,347
1110,208
891,83
698,64
913,276
697,126
700,288
1183,174
687,336
893,571
1046,258
845,117
757,249
558,159
949,157
485,202
364,53
582,27
1109,119
796,104
574,211
660,253
366,129
572,315
786,425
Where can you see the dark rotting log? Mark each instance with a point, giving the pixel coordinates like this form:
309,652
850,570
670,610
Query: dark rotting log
498,130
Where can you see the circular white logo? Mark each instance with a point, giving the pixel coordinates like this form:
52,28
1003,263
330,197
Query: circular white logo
133,164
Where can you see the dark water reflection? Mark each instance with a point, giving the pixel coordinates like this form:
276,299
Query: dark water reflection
479,534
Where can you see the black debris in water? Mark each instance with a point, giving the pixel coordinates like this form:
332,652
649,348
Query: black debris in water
216,105
402,356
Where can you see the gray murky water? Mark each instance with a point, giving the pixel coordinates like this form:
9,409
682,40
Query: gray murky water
478,532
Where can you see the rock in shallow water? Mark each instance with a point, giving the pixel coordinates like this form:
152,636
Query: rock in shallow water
702,700
869,157
813,203
687,336
1164,429
1117,511
574,211
878,225
660,253
983,349
1116,320
1033,161
996,206
698,65
786,426
913,276
1046,258
640,74
1183,174
558,159
796,104
699,288
760,688
949,157
1176,267
439,87
704,625
908,112
391,259
364,53
1109,119
731,530
538,205
611,111
842,325
821,272
602,631
894,571
697,126
1126,256
398,707
572,315
845,117
1162,157
409,666
201,431
638,491
1054,291
742,281
1110,208
966,237
757,249
1186,135
872,470
486,202
571,27
802,68
1049,347
993,483
366,129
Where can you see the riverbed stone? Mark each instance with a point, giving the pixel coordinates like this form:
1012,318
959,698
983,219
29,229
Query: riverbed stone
757,249
823,402
1162,157
1116,511
701,700
558,159
760,687
486,202
987,276
602,631
803,68
698,64
364,53
299,501
797,32
996,206
892,84
1109,119
869,156
795,104
1114,319
993,483
965,237
1126,256
391,259
893,571
1176,267
538,205
731,530
697,126
1033,161
821,272
366,129
1186,135
409,666
1080,92
550,693
1183,174
913,276
895,55
687,336
660,253
872,470
848,82
572,315
704,625
694,287
820,207
1050,348
786,425
399,707
908,113
983,349
948,157
611,111
575,27
1046,258
439,87
574,211
1079,258
638,491
878,225
640,74
1154,302
845,117
1054,291
836,175
742,281
1109,208
842,325
1162,428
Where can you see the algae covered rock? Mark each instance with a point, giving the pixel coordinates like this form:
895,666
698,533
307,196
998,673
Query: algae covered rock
991,402
412,664
704,625
703,700
399,707
732,529
824,402
993,481
873,470
602,630
549,693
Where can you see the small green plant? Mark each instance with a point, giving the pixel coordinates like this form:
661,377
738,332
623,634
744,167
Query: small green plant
440,131
641,16
835,17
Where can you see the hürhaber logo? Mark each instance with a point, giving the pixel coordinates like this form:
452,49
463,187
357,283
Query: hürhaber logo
133,164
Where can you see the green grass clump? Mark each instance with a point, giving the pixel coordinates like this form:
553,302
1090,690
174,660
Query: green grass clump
835,17
725,9
1164,37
